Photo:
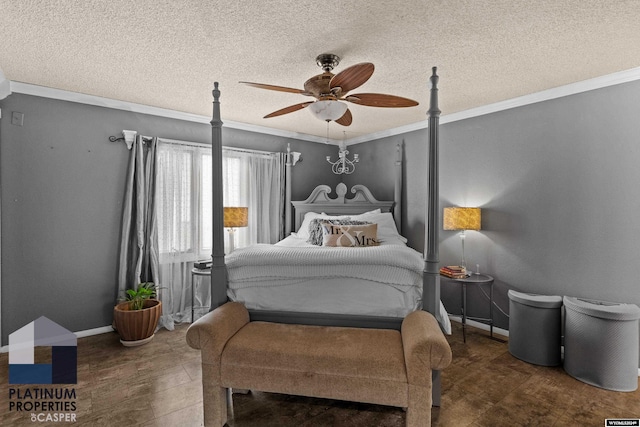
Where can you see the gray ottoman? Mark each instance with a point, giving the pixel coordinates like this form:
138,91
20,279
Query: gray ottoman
535,323
601,343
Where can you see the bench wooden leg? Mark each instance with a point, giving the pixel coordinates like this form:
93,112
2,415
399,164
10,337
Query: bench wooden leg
436,388
230,414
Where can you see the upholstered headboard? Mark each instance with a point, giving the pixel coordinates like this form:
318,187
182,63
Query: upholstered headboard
320,202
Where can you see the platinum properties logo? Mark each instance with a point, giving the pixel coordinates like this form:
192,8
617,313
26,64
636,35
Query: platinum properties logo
60,346
44,404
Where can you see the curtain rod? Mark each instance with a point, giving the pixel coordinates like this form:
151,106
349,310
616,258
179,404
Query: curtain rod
179,142
122,138
249,150
128,136
194,144
204,145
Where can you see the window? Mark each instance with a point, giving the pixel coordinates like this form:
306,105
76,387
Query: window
184,205
250,179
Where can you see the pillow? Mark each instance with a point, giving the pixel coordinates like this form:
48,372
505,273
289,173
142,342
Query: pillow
387,230
375,211
335,233
303,231
315,227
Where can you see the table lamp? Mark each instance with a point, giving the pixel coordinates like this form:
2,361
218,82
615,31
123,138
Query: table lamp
461,219
234,217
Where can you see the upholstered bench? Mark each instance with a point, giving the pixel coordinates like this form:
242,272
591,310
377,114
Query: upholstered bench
379,366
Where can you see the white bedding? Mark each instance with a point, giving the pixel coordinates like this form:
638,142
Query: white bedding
294,275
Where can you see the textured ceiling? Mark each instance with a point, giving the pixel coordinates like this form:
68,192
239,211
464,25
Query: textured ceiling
168,53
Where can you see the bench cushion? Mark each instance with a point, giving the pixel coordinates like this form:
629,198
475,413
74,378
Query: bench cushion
356,364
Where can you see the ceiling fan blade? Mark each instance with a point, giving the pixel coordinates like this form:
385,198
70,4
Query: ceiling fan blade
278,88
380,100
352,77
289,109
346,118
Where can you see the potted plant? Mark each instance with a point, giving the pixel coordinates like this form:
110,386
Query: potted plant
136,319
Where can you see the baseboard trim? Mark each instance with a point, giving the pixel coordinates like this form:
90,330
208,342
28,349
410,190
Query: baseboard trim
95,331
79,334
483,326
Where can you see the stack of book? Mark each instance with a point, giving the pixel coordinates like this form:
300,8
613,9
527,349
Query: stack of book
203,265
454,271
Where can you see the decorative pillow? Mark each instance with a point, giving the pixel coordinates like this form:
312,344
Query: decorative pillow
303,231
334,233
315,227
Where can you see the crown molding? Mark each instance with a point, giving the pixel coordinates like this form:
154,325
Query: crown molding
545,95
82,98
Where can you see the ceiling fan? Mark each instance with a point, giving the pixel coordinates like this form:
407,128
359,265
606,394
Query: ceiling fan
329,89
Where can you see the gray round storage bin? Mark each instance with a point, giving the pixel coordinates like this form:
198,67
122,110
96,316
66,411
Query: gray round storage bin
535,323
601,343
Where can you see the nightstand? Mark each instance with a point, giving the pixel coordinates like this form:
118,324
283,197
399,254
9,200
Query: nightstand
196,272
478,280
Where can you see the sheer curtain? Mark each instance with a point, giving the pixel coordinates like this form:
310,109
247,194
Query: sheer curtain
267,194
251,179
184,225
256,180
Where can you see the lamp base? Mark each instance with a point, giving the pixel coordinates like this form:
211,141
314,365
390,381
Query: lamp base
463,263
232,232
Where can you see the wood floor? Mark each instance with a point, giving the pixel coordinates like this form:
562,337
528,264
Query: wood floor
159,385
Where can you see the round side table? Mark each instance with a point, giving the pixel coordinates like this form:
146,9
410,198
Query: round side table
475,279
200,273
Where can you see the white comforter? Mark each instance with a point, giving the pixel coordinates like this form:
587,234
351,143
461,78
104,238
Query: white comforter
293,275
394,265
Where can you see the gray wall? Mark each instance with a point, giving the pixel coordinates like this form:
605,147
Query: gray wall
556,180
558,185
62,190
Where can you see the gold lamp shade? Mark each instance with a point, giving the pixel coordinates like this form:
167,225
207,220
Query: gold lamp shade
236,217
461,219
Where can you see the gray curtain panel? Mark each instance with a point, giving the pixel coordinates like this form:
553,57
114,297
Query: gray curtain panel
138,260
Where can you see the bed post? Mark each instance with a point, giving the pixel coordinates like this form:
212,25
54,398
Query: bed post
397,190
218,268
431,278
287,196
431,295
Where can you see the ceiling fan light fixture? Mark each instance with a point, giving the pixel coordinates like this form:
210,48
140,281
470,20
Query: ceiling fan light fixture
328,110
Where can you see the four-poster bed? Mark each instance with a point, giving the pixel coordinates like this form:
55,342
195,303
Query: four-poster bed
297,280
320,202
